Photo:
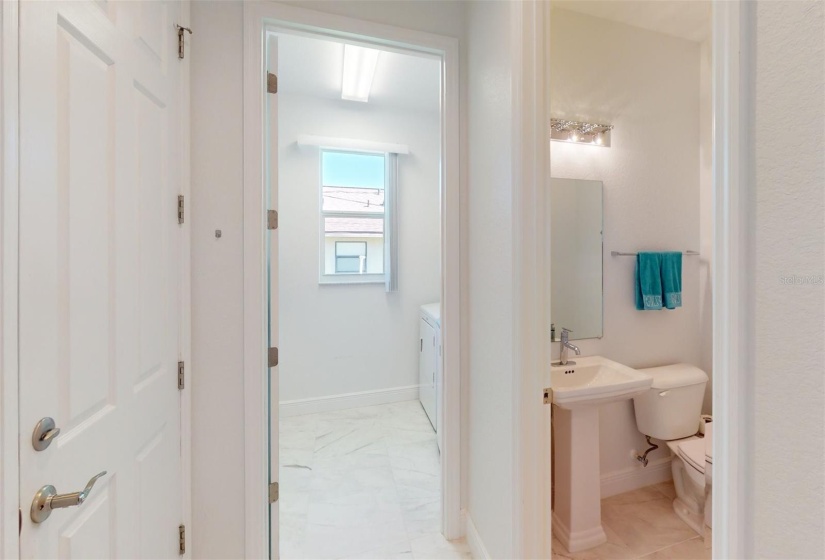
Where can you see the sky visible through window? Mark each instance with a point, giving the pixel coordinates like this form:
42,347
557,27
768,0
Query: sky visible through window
342,169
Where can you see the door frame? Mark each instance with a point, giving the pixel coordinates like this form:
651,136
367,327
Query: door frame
9,165
258,17
9,257
733,52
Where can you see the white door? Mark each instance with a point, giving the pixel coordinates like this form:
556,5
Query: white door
426,370
272,272
99,275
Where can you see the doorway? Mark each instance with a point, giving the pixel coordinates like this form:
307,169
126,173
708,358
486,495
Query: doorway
356,137
342,261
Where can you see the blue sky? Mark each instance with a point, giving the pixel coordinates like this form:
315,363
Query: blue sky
352,170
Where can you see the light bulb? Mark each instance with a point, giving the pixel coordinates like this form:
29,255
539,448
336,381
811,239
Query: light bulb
599,139
574,136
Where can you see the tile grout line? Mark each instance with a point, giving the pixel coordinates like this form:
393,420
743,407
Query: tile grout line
668,546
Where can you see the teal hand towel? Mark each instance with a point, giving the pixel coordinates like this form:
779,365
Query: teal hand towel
671,265
648,281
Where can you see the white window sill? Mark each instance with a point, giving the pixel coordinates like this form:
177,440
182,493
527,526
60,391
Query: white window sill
351,279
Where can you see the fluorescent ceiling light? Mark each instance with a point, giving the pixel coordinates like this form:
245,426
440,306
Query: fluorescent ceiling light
359,69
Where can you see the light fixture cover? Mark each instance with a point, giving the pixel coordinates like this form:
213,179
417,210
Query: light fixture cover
579,132
359,69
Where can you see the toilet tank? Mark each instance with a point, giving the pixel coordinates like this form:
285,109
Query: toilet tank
670,409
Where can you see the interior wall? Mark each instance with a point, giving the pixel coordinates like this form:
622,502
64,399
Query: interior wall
490,309
786,448
217,280
647,85
348,338
217,264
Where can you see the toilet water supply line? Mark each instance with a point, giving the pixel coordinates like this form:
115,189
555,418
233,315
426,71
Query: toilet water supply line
643,458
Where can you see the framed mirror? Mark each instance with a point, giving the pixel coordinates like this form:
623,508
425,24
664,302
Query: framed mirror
576,299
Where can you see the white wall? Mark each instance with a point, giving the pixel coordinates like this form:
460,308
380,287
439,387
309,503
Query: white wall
347,338
217,280
217,283
786,488
647,85
490,310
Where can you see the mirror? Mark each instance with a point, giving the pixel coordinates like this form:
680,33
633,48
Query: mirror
576,257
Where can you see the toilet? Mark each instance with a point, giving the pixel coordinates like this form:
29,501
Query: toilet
671,411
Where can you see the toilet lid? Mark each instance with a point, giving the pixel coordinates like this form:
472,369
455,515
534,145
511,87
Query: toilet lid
693,453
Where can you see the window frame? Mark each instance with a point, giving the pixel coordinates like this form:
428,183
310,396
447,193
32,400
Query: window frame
348,277
337,256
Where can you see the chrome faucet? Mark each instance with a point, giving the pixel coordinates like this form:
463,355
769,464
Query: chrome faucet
565,344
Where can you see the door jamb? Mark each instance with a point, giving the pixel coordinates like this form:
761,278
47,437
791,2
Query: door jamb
9,165
531,523
256,18
732,52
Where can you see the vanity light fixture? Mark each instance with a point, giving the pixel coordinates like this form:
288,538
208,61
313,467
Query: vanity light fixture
359,70
580,132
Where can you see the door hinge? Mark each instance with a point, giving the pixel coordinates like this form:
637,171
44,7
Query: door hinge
180,209
181,29
181,369
271,83
272,219
182,539
273,492
272,358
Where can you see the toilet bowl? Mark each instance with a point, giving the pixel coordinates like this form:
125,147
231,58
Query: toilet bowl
688,466
670,411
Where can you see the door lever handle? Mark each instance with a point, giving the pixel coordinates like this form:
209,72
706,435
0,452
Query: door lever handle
46,499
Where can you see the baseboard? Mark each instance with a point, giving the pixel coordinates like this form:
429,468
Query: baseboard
633,478
347,400
477,548
578,541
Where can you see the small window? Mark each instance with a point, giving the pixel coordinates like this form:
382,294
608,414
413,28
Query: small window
350,257
354,188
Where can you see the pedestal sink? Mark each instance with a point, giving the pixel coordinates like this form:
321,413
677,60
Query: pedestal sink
576,390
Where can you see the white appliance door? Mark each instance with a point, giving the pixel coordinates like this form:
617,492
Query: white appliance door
426,370
99,300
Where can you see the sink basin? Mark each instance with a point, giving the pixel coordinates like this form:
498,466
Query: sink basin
594,380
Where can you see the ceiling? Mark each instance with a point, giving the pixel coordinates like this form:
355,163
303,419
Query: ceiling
313,67
688,19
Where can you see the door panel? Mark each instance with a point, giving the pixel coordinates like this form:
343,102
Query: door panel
272,285
99,275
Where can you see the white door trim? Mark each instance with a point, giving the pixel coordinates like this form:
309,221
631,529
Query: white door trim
732,53
257,17
530,32
9,403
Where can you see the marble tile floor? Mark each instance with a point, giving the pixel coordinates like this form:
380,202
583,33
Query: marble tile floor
642,524
362,483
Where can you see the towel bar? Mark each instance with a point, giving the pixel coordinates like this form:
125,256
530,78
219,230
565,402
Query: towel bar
620,254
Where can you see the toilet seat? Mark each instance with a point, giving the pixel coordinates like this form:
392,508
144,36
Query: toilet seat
693,453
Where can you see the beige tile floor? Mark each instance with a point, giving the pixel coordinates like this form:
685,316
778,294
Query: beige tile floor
642,524
362,483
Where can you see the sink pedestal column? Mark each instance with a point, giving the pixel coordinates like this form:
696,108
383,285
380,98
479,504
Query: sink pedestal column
577,515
